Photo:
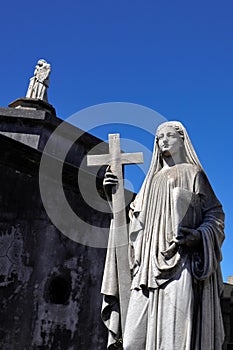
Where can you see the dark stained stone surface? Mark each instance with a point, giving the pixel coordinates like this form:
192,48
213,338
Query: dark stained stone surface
49,284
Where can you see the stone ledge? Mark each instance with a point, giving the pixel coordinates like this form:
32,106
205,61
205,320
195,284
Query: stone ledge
32,104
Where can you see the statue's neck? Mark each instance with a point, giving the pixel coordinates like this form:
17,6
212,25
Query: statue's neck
169,161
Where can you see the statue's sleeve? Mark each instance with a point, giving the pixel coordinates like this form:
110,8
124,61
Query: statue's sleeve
206,267
110,312
211,228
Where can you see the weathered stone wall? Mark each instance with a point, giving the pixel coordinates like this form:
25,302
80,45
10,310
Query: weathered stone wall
227,310
49,285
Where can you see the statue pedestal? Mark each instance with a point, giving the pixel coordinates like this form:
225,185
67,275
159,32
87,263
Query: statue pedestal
34,104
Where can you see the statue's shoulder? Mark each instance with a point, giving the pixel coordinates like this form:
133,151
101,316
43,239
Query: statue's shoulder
192,167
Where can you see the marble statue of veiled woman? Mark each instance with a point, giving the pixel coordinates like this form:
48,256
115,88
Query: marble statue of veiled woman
176,233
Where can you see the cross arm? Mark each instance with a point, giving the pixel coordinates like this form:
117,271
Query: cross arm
132,158
100,159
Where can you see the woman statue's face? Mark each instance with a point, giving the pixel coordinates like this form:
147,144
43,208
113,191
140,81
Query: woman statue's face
169,141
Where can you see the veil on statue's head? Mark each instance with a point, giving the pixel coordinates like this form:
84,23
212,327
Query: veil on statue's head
156,165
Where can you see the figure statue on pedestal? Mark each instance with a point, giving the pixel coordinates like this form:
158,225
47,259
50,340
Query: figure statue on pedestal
175,235
39,83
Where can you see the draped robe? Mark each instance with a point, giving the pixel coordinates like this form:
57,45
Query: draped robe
175,292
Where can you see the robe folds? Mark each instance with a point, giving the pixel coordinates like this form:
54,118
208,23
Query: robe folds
175,292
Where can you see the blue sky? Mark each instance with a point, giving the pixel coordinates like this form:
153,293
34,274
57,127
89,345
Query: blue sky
175,57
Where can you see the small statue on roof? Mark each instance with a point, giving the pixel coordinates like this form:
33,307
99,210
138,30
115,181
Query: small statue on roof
39,83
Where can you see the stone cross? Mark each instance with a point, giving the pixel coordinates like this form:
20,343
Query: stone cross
116,159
